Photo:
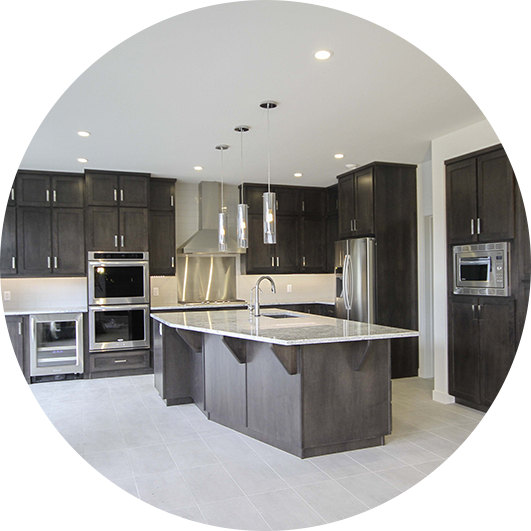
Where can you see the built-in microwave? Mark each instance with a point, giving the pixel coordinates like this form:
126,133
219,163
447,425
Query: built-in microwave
482,269
118,278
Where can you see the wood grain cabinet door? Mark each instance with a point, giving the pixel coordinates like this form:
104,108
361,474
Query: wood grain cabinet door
286,250
161,242
259,258
162,194
346,206
313,245
68,238
496,320
364,203
101,189
495,197
461,202
102,229
134,191
34,241
134,229
8,254
33,189
68,191
8,188
12,341
463,349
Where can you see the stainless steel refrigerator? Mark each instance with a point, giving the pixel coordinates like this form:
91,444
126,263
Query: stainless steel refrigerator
355,272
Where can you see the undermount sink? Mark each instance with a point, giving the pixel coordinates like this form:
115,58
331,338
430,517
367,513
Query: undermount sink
281,315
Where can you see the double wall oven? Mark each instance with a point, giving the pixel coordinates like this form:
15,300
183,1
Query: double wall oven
118,292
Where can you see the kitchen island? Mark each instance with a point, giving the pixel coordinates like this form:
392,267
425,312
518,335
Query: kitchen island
307,384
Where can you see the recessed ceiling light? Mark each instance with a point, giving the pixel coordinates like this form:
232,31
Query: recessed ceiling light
297,175
497,83
93,15
323,54
81,159
83,133
339,155
198,168
350,166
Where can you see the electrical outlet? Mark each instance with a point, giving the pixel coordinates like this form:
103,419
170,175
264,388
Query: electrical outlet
290,288
7,295
155,292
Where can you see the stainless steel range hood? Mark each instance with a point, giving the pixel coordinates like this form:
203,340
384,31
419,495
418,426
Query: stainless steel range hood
205,240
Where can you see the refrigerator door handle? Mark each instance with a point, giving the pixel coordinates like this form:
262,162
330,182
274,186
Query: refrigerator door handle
346,283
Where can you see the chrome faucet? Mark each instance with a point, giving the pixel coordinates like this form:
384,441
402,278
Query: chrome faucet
257,290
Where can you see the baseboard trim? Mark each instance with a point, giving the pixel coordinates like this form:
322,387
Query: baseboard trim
443,398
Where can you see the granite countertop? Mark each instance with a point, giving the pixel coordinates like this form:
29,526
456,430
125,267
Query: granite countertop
304,329
45,311
238,304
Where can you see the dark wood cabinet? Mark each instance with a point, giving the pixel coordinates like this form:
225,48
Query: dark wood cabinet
356,204
161,242
33,189
34,241
68,241
105,188
68,191
480,198
102,231
162,226
12,341
134,234
481,347
101,188
301,231
8,255
16,328
332,226
8,185
162,194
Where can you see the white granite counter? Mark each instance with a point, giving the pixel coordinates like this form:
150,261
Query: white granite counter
301,329
238,304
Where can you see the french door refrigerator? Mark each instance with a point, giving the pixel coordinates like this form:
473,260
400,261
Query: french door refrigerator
355,271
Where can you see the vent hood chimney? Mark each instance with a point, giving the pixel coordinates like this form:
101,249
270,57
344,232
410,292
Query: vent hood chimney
205,240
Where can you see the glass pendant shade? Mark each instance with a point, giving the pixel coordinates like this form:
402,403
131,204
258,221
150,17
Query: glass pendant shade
270,217
222,231
243,226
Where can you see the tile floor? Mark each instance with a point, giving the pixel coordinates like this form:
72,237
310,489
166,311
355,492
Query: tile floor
176,460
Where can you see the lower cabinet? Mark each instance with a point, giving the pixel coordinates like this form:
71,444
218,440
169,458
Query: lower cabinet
12,355
481,347
119,361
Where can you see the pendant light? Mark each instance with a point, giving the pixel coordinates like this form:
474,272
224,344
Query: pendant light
222,225
269,198
243,209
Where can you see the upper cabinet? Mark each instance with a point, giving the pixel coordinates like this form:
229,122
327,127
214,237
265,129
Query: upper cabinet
480,198
117,213
162,226
8,185
117,189
49,189
356,204
301,230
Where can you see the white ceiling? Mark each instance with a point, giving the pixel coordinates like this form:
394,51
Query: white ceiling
162,100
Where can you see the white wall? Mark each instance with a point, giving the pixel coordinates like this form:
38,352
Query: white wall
472,138
424,210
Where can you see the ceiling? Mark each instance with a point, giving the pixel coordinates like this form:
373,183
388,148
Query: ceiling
162,100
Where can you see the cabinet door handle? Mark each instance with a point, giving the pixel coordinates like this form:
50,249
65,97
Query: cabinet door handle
351,225
120,361
122,240
160,328
479,312
303,261
278,261
272,261
12,194
115,194
479,225
276,204
116,240
355,225
473,312
173,261
54,196
13,262
472,226
47,196
55,262
49,262
303,206
19,329
171,200
121,195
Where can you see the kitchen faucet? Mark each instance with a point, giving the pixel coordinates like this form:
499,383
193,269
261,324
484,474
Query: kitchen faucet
256,290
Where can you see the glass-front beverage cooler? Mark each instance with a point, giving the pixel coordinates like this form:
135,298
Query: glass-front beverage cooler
56,345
